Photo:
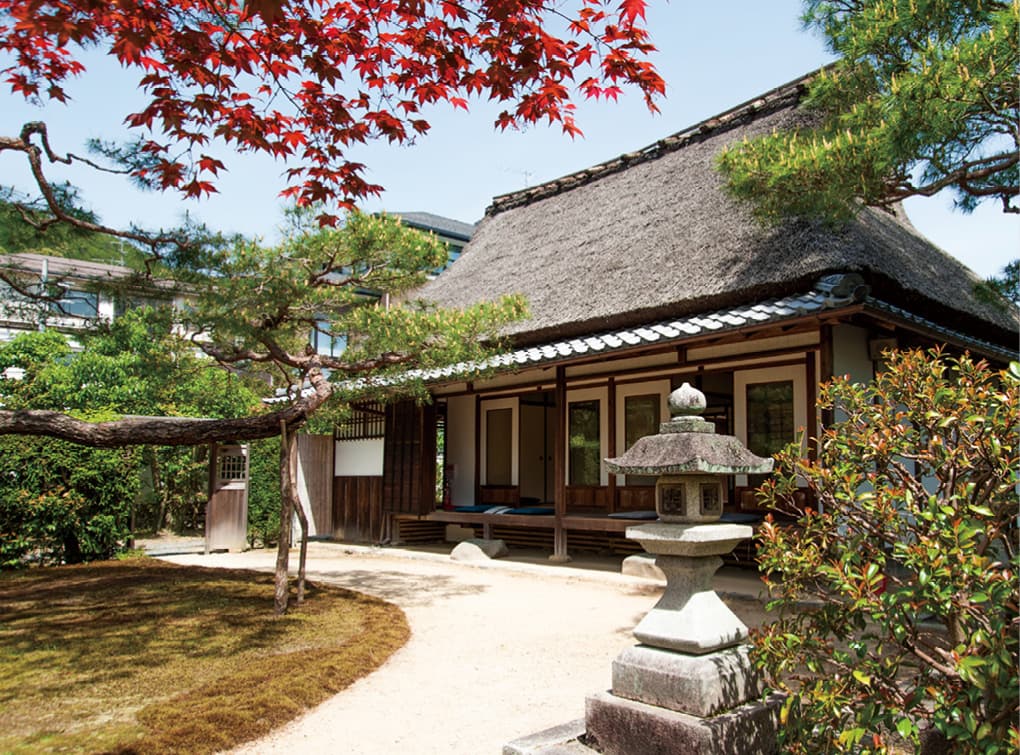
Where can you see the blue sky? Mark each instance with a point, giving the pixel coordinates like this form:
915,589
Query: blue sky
712,55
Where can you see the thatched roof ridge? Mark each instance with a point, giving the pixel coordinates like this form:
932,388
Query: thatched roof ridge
781,97
654,234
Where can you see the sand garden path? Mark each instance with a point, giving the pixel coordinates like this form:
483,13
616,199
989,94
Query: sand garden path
497,651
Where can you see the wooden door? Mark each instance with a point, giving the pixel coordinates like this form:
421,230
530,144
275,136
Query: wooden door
409,459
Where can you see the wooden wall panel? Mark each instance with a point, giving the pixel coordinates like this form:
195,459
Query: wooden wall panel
587,498
635,498
409,459
501,495
315,460
357,509
226,520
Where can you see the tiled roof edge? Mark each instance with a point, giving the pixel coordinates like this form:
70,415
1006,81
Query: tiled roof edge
987,346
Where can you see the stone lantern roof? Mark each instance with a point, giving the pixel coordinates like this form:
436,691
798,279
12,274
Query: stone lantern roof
687,443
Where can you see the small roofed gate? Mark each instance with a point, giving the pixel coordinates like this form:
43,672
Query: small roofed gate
409,459
226,513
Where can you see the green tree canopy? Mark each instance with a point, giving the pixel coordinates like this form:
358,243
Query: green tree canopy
923,97
897,589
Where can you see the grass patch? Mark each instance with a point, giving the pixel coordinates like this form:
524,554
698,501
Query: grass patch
143,656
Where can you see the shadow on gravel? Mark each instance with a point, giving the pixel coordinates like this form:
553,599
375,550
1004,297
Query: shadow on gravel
399,587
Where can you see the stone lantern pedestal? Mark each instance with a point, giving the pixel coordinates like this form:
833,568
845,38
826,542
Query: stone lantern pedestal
689,687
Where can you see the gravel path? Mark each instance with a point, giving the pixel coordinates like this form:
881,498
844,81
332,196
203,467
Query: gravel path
497,651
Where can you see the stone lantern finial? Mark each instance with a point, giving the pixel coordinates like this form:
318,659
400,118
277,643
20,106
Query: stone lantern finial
686,401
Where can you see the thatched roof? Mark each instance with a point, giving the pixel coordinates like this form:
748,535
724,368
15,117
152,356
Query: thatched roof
653,234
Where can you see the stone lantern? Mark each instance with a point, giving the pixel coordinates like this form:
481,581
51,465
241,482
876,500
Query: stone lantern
689,687
689,460
688,684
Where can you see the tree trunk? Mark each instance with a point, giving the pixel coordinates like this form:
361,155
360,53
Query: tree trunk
286,514
157,490
302,520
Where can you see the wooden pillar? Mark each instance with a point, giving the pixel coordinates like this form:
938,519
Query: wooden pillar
560,554
478,449
811,397
825,367
611,440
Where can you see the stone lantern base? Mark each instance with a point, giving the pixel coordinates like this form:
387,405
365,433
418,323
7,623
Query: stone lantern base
617,726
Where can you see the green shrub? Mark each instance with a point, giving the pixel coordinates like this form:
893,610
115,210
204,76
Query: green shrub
264,492
898,593
63,503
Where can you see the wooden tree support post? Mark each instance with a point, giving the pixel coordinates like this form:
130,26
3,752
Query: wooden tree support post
286,512
301,515
289,506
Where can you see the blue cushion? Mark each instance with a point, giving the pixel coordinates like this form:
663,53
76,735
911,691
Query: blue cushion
739,517
533,510
634,515
479,508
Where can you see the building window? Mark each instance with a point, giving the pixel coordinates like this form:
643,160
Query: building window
498,446
325,342
232,467
640,418
364,422
584,444
77,304
770,420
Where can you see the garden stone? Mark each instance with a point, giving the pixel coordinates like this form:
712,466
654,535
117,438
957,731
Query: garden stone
477,549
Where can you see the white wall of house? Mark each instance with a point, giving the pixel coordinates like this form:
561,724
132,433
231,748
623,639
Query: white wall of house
358,458
460,448
753,346
850,354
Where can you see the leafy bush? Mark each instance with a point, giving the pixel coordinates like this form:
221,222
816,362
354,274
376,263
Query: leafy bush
63,503
908,567
135,365
264,492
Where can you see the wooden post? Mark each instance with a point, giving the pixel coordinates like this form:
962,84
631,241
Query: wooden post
301,515
282,582
611,440
478,448
560,554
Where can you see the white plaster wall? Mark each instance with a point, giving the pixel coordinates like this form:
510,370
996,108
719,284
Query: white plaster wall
850,353
753,346
105,308
358,458
460,448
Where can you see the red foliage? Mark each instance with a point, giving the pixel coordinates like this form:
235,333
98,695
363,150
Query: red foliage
306,79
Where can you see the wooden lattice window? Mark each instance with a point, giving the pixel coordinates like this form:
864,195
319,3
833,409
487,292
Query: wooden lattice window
232,467
365,421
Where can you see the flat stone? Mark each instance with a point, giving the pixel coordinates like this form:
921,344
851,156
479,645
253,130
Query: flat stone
665,538
642,565
701,685
616,726
478,549
557,740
